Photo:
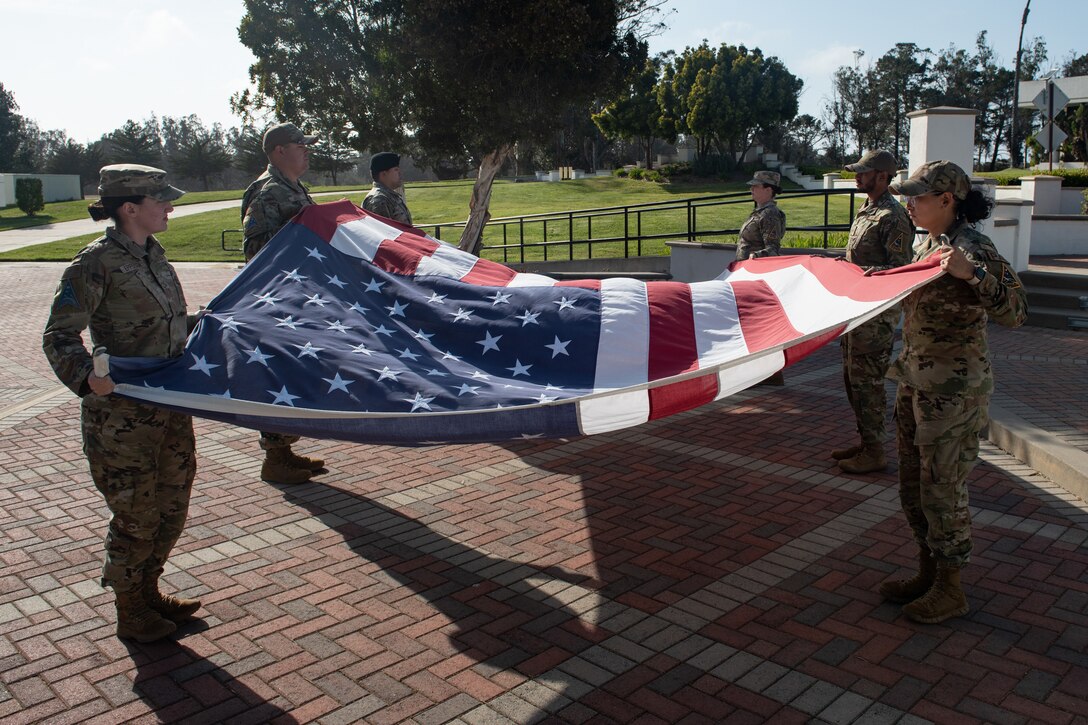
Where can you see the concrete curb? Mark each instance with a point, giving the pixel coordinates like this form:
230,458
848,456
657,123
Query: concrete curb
1062,463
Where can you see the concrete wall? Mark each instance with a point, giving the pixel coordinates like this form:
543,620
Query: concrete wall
1059,234
55,187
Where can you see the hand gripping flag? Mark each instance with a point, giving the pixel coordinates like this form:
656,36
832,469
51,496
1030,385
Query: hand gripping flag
353,327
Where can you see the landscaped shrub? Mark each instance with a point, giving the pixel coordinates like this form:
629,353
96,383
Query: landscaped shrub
620,172
1084,204
1011,177
28,195
635,173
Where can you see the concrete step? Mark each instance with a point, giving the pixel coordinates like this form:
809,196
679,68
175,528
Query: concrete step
1075,301
1054,280
1056,318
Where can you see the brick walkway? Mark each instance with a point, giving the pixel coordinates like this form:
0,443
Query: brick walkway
711,567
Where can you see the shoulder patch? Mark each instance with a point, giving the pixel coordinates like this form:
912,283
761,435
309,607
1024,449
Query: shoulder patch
1009,279
66,297
896,245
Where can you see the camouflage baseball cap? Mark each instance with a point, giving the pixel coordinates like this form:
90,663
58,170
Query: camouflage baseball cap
135,180
284,133
935,176
874,161
770,178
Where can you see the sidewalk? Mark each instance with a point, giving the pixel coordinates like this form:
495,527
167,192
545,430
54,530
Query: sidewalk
710,567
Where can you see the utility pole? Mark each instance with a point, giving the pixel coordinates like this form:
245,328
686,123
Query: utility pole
1014,144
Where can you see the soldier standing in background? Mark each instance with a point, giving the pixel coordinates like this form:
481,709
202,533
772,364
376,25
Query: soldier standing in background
945,382
762,232
142,458
269,203
385,198
880,238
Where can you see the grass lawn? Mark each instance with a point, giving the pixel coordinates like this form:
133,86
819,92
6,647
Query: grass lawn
197,237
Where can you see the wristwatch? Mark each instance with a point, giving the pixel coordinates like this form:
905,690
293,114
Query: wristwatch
978,276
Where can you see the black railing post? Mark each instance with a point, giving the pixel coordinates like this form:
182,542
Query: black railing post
570,233
505,249
827,208
626,229
691,222
545,240
638,226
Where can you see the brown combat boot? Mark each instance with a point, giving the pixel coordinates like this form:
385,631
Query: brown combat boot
869,459
944,600
902,591
169,607
840,453
313,465
135,620
278,468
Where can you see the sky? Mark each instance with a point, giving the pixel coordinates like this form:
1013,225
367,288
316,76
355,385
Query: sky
87,67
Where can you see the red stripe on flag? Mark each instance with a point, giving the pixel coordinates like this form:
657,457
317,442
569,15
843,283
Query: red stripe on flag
415,241
802,350
847,280
672,330
762,319
486,272
685,395
593,284
323,219
396,258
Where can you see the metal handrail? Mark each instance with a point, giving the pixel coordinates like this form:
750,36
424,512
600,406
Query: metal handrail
633,217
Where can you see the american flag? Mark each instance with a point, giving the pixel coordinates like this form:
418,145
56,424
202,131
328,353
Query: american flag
351,326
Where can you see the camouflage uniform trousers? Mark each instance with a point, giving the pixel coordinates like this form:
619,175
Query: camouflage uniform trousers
866,354
143,461
938,442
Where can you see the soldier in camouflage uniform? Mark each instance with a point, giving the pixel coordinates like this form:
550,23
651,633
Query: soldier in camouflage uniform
880,238
268,204
761,235
945,382
142,458
385,198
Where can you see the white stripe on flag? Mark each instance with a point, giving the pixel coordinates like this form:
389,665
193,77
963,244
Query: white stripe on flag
808,305
446,261
614,412
623,351
717,323
361,237
528,279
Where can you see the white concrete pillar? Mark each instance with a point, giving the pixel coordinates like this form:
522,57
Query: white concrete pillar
942,133
830,179
1045,192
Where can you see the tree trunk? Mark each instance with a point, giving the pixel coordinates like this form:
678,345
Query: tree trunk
472,237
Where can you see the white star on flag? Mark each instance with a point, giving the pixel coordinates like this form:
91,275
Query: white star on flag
338,383
255,355
283,397
419,402
203,365
489,342
559,347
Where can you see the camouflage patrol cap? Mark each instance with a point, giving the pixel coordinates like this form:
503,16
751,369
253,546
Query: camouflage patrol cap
770,178
284,133
935,177
874,161
135,180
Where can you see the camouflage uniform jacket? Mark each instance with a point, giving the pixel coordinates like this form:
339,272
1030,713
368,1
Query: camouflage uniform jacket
761,235
391,205
945,350
130,298
881,235
267,205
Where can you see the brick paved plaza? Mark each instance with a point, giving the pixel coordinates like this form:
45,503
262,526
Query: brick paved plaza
709,567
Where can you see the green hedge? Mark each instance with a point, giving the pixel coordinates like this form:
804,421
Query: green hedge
28,195
1011,177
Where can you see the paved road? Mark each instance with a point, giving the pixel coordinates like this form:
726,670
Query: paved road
710,567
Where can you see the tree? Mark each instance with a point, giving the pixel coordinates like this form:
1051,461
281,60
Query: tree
462,76
248,147
1075,118
135,143
636,114
799,139
723,98
332,155
11,129
899,80
28,195
193,150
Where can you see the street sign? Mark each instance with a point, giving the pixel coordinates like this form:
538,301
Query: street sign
1043,103
1050,136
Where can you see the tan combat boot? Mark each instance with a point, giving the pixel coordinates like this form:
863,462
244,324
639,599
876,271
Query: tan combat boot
902,591
169,607
135,620
840,453
313,465
944,600
869,459
277,468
